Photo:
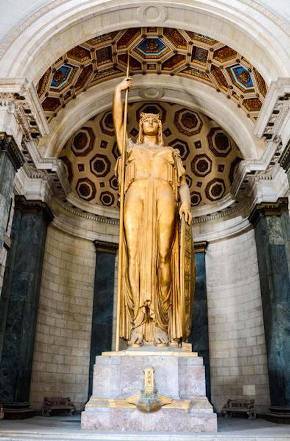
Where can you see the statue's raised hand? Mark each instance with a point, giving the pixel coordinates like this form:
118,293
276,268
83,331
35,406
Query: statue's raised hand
125,84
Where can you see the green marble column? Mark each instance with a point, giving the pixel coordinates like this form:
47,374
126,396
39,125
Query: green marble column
10,160
272,232
20,295
103,306
199,331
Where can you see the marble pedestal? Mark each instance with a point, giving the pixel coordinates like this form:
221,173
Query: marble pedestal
179,375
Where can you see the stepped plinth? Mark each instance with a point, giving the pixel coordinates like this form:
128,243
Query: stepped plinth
180,382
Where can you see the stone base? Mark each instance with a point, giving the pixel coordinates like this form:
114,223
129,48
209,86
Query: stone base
179,376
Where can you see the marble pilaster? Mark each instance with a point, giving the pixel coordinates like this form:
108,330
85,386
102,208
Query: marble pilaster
103,305
199,331
20,295
272,232
10,160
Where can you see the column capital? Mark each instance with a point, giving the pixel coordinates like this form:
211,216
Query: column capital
109,247
269,209
9,146
25,205
200,247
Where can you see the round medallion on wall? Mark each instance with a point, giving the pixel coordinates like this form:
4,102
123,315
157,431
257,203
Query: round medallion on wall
151,14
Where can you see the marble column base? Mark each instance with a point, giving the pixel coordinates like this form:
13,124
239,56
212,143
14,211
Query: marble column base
179,376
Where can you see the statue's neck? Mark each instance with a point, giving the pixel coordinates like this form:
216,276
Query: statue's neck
150,140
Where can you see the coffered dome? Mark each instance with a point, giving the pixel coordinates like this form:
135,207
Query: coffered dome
209,154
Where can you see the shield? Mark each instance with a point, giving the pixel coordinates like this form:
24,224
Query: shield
187,275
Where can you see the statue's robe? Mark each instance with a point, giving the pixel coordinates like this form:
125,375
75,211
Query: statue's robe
147,307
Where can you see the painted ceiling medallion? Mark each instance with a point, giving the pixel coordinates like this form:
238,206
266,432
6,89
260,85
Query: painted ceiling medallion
152,50
209,155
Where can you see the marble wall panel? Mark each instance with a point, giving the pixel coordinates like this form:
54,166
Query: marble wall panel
238,358
63,334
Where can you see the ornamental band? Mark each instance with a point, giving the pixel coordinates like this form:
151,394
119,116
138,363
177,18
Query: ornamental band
155,301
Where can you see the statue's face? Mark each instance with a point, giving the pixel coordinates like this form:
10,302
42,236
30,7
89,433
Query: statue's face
150,126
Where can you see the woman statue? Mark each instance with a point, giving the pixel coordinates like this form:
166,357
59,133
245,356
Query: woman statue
152,304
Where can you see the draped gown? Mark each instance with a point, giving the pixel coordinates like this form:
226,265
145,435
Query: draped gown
153,172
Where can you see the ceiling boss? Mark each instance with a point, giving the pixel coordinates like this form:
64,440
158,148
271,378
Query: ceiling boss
154,280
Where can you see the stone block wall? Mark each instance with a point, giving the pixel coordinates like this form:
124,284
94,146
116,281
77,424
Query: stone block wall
62,344
238,360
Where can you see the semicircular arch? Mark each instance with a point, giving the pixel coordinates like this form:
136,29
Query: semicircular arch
42,39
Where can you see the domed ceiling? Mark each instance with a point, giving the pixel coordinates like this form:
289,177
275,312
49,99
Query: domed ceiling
209,154
152,50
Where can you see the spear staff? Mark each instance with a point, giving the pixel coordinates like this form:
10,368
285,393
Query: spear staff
121,224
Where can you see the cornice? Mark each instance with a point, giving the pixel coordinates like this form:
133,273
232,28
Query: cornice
227,212
266,209
74,211
200,247
33,206
20,98
107,247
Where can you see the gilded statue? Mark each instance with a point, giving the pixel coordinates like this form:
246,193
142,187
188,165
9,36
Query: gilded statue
154,307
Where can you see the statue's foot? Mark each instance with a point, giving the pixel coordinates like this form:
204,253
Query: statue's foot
160,337
177,343
136,337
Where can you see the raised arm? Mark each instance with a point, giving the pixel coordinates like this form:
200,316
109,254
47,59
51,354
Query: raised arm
118,111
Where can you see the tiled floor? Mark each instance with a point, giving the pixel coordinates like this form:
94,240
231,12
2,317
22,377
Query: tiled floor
68,428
